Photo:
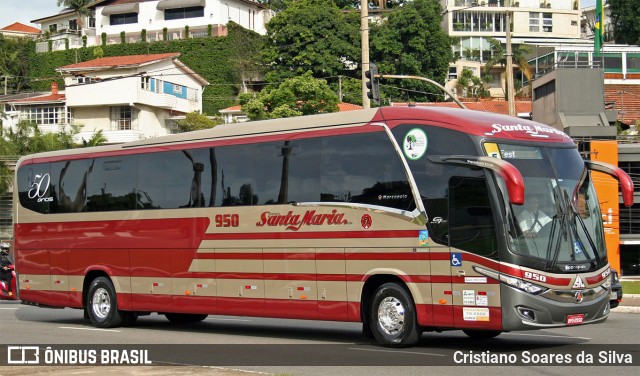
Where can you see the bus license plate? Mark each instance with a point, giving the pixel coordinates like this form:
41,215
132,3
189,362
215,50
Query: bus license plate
575,319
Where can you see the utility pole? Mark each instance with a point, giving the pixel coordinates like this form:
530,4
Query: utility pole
510,86
364,36
6,78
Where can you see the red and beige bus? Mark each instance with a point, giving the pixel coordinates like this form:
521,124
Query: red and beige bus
404,219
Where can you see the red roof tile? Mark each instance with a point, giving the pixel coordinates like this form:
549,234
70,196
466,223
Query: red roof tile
342,107
44,98
114,61
21,28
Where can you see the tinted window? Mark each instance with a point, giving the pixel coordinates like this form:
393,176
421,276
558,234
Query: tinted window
471,224
363,168
34,187
122,19
433,178
235,176
303,170
170,180
69,185
180,13
112,185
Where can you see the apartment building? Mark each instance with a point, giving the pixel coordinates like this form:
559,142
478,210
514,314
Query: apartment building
149,20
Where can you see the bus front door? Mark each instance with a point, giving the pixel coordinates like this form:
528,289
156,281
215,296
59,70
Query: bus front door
473,244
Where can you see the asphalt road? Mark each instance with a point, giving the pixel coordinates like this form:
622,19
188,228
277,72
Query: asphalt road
237,345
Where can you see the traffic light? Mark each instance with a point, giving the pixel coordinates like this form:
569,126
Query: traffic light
373,83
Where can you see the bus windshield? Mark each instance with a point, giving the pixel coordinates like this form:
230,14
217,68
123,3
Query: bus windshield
560,223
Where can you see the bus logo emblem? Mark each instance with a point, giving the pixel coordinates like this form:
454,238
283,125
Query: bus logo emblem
40,187
579,297
366,221
578,284
294,222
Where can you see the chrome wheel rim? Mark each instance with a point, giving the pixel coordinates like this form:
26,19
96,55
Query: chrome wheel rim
391,315
101,303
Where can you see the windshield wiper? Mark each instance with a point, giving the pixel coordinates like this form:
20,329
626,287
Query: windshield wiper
561,216
576,215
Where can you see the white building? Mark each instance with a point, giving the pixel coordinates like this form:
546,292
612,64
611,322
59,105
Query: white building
152,20
126,97
473,22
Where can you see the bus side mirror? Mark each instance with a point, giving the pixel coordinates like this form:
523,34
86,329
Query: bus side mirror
626,184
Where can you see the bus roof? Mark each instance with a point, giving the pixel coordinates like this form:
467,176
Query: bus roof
476,123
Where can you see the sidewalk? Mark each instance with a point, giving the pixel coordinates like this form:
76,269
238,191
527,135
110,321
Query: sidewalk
630,304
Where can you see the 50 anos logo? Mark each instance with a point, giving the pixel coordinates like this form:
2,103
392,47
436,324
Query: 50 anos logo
40,187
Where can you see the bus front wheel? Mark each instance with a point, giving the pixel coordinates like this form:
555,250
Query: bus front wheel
393,316
102,304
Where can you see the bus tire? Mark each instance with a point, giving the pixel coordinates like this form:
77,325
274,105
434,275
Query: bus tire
129,318
481,334
393,317
102,304
184,318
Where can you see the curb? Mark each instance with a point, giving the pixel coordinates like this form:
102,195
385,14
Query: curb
626,309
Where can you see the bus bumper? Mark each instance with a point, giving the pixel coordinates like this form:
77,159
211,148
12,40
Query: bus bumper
523,311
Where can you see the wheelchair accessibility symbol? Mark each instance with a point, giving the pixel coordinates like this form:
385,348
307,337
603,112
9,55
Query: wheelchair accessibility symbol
456,259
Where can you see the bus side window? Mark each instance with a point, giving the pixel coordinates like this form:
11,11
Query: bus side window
365,169
69,182
34,187
471,223
112,184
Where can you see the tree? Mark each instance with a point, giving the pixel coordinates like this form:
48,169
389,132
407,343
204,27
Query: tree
519,57
470,85
311,35
14,62
80,7
625,17
96,139
194,121
28,139
245,60
411,42
302,95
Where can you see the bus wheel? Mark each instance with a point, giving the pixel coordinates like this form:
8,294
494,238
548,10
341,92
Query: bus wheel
481,334
184,318
393,317
102,305
129,318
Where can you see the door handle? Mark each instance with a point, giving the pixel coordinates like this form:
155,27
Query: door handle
460,273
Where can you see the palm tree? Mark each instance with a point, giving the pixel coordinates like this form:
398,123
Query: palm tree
519,56
80,7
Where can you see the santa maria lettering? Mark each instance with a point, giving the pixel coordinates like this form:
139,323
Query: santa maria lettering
294,222
532,130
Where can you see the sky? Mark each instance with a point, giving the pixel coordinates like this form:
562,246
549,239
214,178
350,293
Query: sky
24,11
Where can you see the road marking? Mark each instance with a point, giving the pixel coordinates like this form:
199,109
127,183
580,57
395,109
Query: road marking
396,352
9,308
544,335
94,329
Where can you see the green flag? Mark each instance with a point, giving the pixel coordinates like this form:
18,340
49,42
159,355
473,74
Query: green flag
598,30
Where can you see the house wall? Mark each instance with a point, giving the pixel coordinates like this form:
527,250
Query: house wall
113,90
216,12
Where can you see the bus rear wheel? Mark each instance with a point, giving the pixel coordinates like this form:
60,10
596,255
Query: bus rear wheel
102,304
184,318
393,316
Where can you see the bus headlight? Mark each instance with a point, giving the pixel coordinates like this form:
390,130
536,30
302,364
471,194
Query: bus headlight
607,282
527,287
